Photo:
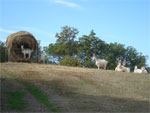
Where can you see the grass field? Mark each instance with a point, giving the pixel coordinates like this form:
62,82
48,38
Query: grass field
72,89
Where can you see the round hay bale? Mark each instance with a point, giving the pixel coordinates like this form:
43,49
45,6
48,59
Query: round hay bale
14,42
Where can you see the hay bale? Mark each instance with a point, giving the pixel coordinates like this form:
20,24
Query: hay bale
14,42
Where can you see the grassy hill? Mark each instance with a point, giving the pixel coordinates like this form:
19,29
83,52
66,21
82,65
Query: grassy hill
53,88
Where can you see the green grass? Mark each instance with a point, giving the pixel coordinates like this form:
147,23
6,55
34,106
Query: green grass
86,81
40,96
12,75
57,88
2,79
15,101
36,93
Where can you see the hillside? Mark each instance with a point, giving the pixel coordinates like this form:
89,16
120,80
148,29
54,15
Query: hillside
72,89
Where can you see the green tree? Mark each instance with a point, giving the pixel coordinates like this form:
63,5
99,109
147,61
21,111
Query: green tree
65,43
115,50
3,52
67,48
135,58
88,45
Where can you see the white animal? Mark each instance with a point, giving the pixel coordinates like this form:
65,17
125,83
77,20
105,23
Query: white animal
100,62
144,70
127,69
26,52
41,57
120,67
136,70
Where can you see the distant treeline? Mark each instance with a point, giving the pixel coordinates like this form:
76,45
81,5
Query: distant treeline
71,50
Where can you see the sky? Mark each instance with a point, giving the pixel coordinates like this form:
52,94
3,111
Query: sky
122,21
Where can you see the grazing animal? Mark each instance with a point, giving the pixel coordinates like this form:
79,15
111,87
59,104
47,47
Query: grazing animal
127,69
120,67
100,62
144,70
41,57
26,52
136,70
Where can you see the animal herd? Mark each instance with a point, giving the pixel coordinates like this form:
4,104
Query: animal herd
121,66
100,63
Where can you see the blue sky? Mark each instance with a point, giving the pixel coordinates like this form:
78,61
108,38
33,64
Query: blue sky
122,21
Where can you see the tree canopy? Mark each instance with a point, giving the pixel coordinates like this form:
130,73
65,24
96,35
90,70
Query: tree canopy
68,48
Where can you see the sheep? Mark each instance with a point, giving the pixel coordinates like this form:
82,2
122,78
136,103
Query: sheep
26,51
41,57
120,67
100,62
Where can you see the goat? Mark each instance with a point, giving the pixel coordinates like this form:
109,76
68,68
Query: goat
136,70
127,69
144,70
120,67
100,62
26,51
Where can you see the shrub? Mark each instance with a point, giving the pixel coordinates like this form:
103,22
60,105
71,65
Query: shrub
70,61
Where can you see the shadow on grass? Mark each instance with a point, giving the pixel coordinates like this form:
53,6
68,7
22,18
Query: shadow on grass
91,103
84,102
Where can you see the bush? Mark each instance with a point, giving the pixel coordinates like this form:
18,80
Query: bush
70,61
3,52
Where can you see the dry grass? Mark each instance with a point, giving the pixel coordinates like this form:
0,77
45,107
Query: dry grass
83,89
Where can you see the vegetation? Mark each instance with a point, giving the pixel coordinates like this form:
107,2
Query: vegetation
71,50
15,101
3,52
70,61
67,46
72,89
39,95
35,92
2,79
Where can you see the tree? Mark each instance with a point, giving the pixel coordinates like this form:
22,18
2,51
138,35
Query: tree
135,58
88,45
114,50
3,52
67,48
65,43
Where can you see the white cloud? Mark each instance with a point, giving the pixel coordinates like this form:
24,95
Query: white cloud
35,30
66,3
6,31
45,37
